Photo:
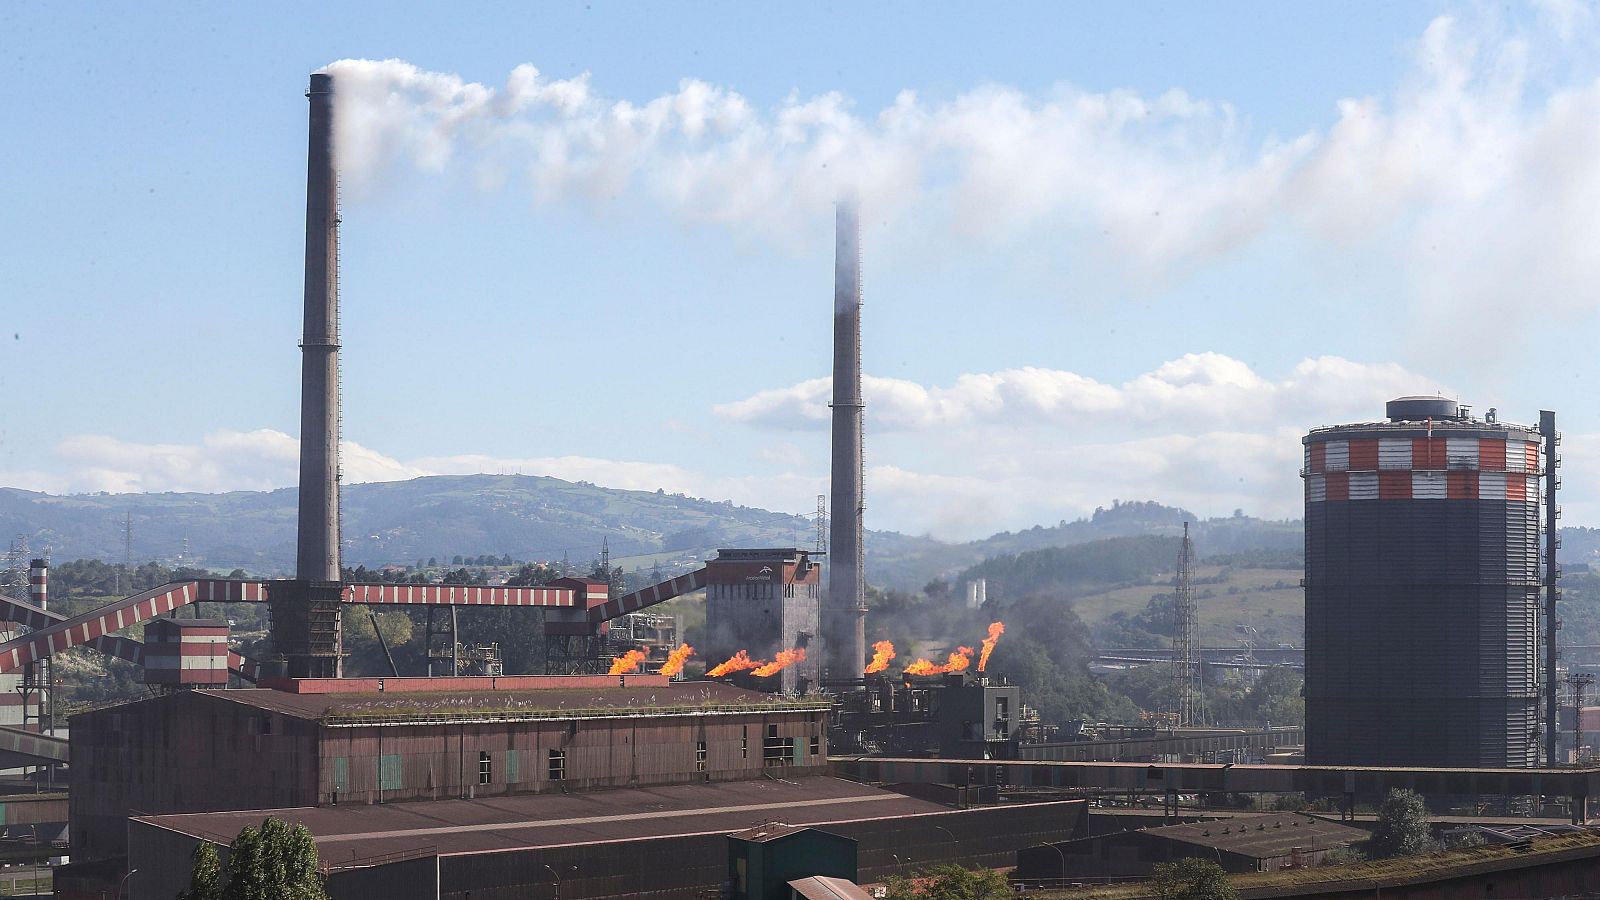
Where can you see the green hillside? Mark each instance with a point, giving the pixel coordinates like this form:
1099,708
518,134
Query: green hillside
534,518
1122,590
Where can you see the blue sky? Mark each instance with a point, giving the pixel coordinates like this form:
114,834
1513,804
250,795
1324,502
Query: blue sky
1116,251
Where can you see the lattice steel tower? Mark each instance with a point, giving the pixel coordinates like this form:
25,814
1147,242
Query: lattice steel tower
1188,687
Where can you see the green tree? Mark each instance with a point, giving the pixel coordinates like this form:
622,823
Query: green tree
274,862
531,575
247,877
1402,828
951,882
1191,879
205,875
1276,698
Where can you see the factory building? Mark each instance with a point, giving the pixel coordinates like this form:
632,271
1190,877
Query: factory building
209,750
1242,844
764,602
658,842
956,716
1422,590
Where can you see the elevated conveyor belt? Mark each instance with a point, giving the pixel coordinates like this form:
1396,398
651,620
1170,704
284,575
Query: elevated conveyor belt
109,644
35,748
650,596
53,633
458,595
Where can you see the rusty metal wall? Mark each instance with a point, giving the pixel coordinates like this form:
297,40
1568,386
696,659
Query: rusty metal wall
182,753
441,761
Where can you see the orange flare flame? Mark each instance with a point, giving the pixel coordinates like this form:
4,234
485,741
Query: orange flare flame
958,661
882,652
676,659
738,663
628,662
785,659
995,630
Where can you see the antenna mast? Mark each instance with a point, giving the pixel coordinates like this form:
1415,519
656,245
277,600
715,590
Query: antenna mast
1188,690
822,523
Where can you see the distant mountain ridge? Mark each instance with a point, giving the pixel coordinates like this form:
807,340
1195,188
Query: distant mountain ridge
529,517
535,517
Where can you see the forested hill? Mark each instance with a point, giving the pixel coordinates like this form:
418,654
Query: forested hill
1080,568
902,566
527,517
530,517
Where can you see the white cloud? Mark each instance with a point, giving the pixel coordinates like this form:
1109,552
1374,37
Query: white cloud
222,461
261,460
1014,448
1195,389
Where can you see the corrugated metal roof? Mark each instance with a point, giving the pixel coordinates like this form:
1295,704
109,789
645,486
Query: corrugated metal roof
384,707
822,887
348,834
1263,837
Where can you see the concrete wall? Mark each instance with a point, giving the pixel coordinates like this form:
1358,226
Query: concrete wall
764,618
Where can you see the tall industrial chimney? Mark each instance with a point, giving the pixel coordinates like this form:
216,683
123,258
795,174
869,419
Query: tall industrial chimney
844,617
318,551
305,609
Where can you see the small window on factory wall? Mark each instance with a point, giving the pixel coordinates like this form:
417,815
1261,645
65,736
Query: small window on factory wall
700,757
816,745
744,743
558,765
1002,707
775,751
391,772
485,768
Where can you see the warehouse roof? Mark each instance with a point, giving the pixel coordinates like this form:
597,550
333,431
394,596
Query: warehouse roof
350,834
1263,837
821,887
356,708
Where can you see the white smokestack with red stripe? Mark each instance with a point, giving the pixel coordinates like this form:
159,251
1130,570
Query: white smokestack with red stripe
39,583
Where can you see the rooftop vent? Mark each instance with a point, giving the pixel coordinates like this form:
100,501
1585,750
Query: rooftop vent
1416,409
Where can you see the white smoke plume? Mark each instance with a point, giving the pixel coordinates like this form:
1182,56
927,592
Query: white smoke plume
1479,181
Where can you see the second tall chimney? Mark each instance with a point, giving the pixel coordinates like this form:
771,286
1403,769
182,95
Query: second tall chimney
317,556
844,617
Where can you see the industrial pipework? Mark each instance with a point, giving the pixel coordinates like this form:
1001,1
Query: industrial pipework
844,615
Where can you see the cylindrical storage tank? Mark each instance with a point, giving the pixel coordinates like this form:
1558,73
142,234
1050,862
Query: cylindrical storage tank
1422,590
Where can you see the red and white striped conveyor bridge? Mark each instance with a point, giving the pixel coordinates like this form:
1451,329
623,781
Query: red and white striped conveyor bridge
53,633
